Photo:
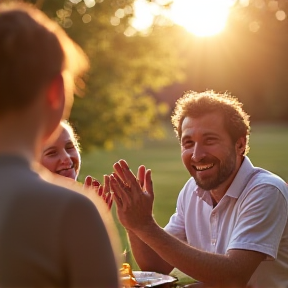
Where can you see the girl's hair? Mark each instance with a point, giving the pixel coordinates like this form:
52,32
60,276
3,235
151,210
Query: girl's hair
74,136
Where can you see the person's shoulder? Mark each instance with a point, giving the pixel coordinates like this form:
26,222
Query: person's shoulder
263,177
268,177
44,190
71,206
18,179
55,190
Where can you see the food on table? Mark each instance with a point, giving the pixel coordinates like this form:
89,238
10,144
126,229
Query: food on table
127,277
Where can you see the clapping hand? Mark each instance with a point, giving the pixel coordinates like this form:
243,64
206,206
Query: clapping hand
102,190
133,195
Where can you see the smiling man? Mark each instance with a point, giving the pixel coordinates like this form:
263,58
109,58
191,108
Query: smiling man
230,226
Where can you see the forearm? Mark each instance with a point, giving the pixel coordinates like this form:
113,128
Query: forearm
146,258
214,269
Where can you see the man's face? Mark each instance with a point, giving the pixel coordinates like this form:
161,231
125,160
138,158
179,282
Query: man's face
208,152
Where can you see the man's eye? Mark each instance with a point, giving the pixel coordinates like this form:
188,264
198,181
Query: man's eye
187,143
210,141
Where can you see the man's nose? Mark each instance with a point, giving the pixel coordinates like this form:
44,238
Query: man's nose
198,153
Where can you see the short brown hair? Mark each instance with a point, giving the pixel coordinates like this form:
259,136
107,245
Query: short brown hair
33,50
193,104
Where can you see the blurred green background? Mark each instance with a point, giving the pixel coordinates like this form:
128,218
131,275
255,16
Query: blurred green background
268,150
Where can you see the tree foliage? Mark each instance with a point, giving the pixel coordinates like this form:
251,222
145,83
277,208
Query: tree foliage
118,106
134,80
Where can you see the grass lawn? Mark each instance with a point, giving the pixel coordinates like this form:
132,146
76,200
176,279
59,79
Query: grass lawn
269,150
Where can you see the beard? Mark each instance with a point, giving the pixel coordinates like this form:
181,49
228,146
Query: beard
226,168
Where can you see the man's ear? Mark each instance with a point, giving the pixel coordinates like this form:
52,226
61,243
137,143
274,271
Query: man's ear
54,104
55,92
241,145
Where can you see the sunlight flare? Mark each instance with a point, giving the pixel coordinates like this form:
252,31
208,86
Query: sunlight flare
201,17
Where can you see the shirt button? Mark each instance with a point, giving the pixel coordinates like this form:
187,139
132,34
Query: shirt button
213,242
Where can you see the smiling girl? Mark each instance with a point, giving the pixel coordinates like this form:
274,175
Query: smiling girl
63,155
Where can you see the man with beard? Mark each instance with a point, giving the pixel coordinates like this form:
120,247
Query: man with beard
230,226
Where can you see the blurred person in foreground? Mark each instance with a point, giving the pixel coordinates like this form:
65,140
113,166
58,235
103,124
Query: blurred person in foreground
230,226
50,235
62,156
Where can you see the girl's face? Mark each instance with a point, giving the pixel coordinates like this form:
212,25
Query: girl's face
62,156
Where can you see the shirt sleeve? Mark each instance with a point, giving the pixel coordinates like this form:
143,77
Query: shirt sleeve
176,224
261,222
88,255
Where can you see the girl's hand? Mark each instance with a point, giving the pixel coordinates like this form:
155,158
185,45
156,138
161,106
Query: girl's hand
101,190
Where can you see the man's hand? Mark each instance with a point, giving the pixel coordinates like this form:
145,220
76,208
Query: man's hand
133,195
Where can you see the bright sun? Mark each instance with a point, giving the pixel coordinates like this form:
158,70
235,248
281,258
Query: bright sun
201,17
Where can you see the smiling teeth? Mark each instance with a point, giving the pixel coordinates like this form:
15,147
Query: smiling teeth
201,168
65,169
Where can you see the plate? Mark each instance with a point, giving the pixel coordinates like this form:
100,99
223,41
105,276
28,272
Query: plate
152,279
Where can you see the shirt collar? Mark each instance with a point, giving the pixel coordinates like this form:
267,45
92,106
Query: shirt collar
241,179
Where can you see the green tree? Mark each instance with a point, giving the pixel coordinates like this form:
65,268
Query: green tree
118,106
